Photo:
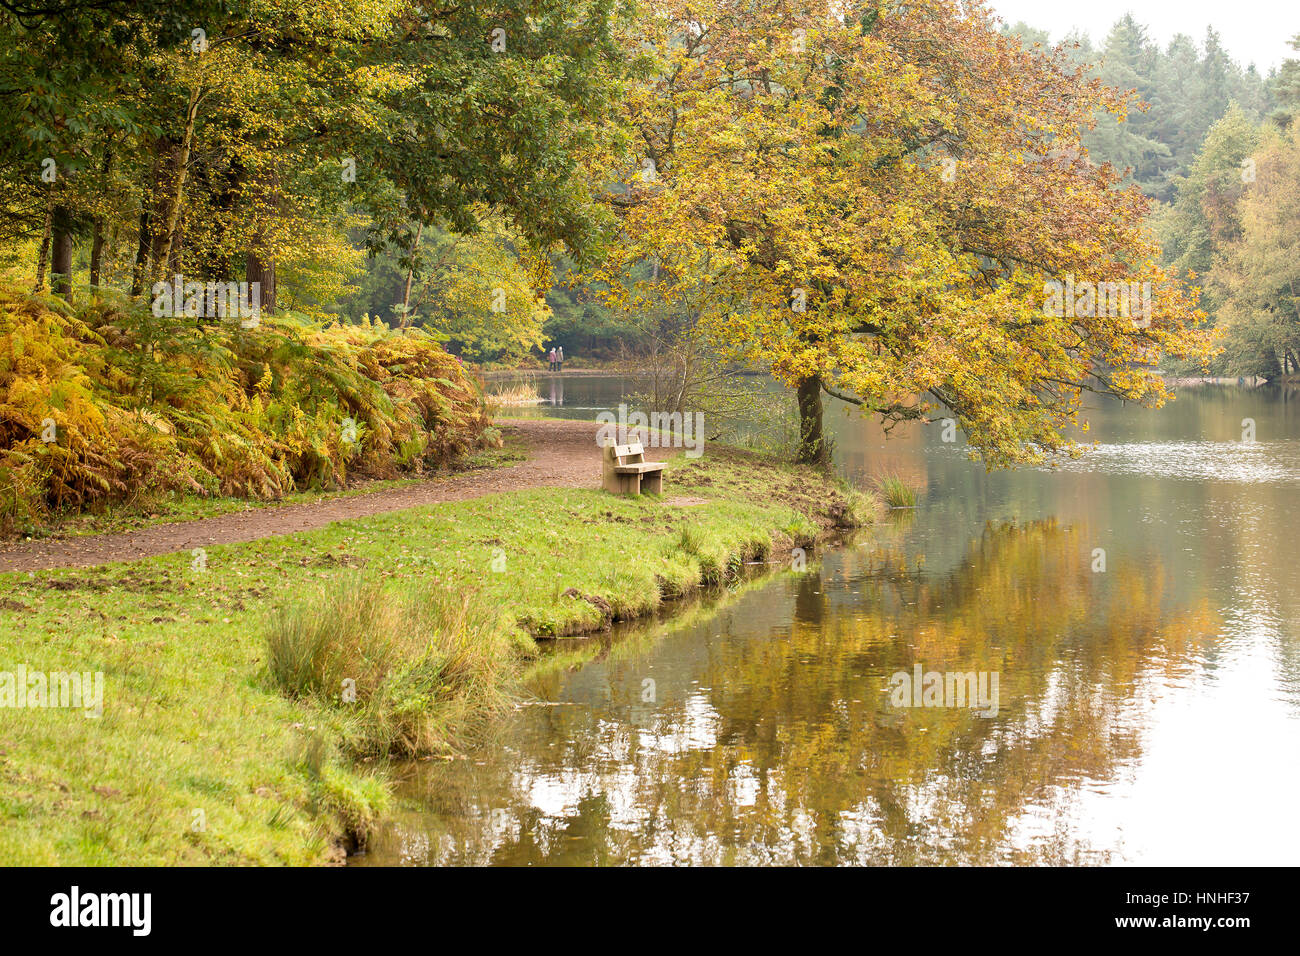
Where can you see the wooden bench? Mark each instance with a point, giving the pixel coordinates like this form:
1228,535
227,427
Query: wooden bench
624,470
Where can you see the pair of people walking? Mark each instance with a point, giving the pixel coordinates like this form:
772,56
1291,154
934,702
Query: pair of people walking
557,359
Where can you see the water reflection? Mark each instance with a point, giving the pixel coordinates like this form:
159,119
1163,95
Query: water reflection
770,738
567,396
1149,712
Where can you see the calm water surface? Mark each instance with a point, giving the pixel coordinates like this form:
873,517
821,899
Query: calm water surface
1147,713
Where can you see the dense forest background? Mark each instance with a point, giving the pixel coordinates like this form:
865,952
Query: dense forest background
1216,147
417,189
1213,144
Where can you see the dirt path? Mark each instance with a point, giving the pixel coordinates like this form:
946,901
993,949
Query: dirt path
560,455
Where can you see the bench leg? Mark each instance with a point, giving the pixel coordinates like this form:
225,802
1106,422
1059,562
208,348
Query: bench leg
629,484
652,482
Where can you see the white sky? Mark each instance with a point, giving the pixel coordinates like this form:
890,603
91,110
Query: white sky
1252,31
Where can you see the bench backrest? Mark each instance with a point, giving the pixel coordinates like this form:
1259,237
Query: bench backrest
632,454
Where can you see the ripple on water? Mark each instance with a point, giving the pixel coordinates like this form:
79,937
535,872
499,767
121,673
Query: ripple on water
1244,462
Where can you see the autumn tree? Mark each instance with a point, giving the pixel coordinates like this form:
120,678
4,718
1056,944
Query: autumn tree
221,138
1204,219
877,197
1257,278
483,294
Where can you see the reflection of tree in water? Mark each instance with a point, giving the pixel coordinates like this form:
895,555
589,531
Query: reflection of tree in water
787,750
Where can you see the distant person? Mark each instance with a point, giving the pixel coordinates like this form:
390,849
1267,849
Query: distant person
552,358
559,359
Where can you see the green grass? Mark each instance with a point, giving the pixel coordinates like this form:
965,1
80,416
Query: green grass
202,757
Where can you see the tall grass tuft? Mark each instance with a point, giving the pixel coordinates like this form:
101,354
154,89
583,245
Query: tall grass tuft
896,492
429,668
515,394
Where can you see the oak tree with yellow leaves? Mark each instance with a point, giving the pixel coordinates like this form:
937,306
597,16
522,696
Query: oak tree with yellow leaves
889,203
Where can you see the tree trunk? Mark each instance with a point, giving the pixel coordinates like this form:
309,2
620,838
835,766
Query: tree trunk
61,254
410,273
96,251
180,170
812,437
263,272
141,253
43,257
259,262
151,213
166,153
97,236
177,251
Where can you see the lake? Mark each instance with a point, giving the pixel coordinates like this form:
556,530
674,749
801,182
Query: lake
1138,608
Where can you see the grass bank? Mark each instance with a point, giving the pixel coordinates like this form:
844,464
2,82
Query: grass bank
225,734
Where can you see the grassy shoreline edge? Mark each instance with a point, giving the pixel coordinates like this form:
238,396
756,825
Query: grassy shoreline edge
201,757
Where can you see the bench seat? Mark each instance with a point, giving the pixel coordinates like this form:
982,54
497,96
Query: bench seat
640,468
